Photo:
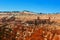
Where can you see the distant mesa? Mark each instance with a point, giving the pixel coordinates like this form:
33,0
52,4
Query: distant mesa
25,12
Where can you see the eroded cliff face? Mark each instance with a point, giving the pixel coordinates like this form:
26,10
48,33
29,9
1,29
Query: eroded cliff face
28,26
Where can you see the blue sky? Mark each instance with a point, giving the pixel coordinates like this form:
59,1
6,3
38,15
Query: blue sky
44,6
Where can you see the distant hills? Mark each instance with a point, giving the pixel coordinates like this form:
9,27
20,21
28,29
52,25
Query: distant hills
25,12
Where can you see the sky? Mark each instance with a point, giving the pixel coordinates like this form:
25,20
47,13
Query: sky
44,6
